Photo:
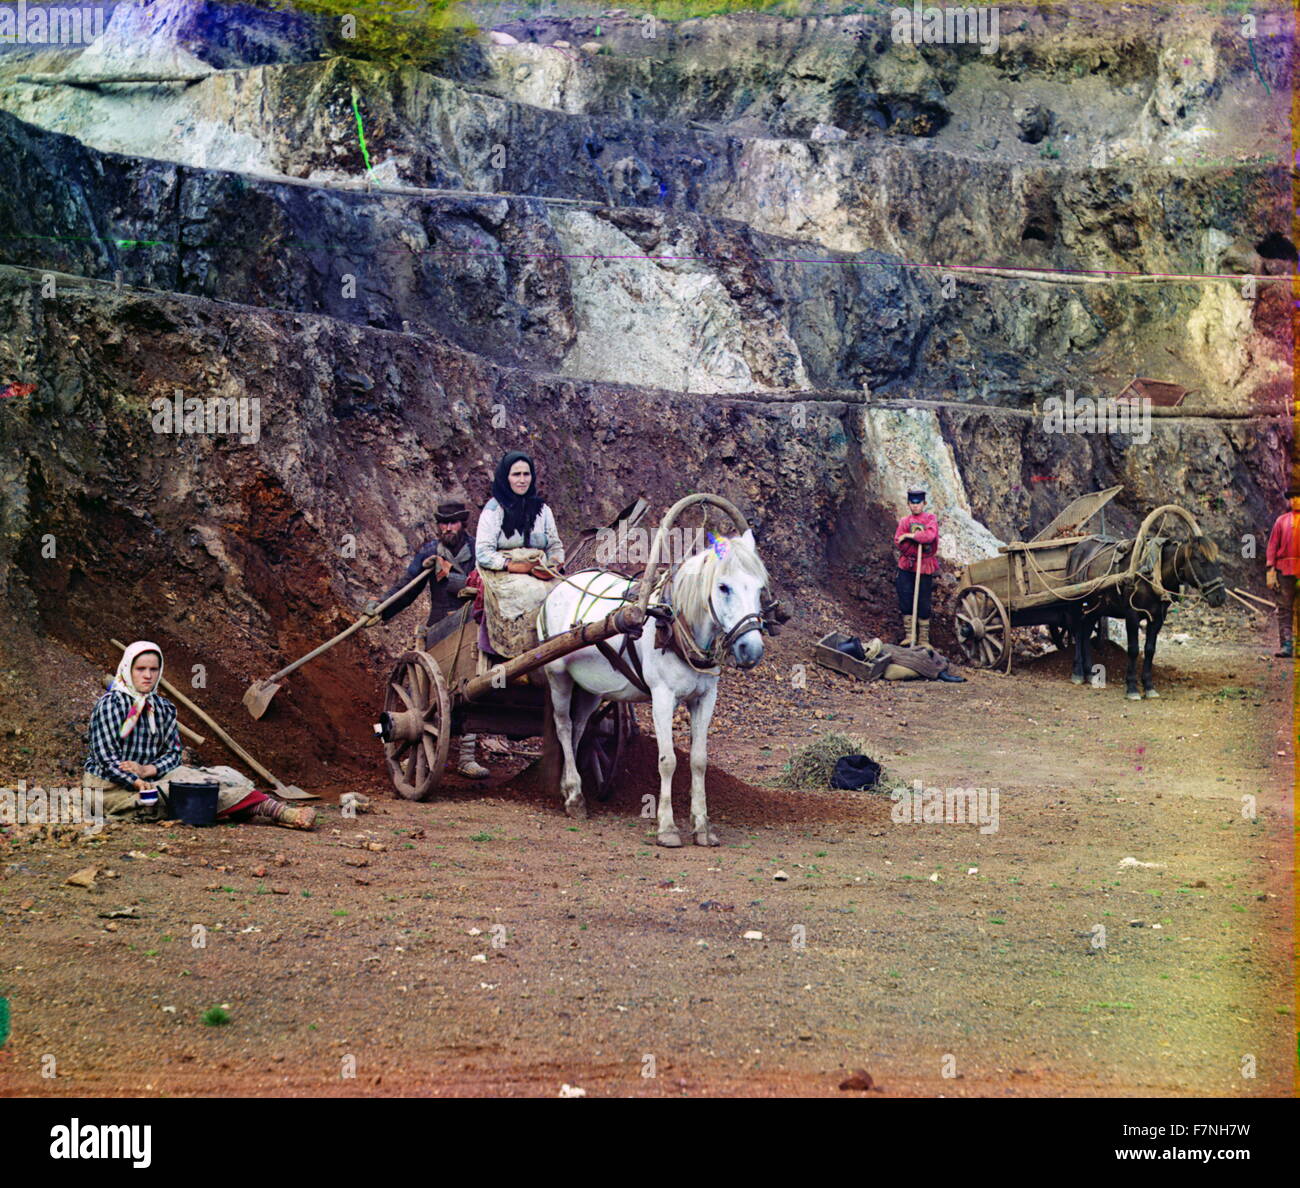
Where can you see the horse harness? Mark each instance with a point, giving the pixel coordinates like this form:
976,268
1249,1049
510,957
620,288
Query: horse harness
1149,566
1215,584
672,636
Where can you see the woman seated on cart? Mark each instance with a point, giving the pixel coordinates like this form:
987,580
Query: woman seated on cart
516,517
135,753
516,543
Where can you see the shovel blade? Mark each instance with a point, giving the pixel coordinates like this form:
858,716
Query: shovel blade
258,696
293,792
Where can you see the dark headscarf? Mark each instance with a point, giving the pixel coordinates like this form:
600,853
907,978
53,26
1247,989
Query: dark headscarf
520,510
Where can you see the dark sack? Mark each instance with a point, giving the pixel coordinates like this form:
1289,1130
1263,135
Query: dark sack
855,772
852,647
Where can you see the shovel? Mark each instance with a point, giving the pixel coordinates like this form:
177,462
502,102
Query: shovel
284,791
258,695
916,594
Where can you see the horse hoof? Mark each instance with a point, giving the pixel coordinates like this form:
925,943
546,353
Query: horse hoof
577,809
671,840
1153,693
1075,679
1133,696
706,838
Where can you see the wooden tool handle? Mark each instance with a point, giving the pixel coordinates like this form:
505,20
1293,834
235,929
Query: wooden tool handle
916,596
172,691
342,635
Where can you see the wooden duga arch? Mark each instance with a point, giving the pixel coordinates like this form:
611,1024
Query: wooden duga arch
665,526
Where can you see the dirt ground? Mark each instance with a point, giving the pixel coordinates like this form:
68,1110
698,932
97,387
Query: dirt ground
483,943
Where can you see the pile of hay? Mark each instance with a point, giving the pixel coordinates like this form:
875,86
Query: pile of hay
813,764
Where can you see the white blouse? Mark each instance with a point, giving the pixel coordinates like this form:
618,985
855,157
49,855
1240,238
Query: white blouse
489,541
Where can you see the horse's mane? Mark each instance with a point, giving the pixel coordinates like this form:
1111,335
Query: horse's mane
694,581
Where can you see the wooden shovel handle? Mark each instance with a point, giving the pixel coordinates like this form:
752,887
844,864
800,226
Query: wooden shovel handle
342,635
172,691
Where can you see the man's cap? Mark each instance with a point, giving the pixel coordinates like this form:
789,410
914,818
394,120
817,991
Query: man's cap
450,511
914,493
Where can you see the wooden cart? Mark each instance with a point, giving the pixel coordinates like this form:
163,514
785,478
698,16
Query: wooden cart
1028,584
435,693
448,689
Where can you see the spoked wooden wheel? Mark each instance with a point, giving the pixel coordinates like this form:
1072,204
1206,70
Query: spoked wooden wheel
982,628
419,718
602,747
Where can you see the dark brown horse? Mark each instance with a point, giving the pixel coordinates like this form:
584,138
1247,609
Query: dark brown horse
1193,563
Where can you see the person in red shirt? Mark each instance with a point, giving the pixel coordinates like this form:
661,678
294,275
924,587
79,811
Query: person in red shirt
919,529
1283,561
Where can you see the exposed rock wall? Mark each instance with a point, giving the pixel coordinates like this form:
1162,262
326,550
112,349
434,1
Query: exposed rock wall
667,268
578,289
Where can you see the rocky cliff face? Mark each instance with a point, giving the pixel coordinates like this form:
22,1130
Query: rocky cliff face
783,259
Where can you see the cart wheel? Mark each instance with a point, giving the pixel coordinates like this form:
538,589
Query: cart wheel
982,628
603,743
419,710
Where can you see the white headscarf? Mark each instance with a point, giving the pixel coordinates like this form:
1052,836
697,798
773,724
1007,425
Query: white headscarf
141,703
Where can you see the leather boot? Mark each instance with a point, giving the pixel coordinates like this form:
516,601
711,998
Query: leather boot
906,638
923,634
468,766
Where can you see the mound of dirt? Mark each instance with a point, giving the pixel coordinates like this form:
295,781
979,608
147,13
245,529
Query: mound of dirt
730,798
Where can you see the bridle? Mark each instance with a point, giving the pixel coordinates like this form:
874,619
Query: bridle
719,649
1214,585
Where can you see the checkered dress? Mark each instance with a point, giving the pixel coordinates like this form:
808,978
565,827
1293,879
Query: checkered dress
108,750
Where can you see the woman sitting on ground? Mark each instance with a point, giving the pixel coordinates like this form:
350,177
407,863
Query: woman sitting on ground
516,517
135,747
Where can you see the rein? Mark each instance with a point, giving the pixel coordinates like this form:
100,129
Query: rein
708,660
1215,583
703,660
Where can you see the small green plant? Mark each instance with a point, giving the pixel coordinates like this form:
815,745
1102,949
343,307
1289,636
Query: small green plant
1050,151
215,1016
481,837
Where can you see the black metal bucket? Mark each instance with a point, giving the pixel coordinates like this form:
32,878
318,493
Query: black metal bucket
194,804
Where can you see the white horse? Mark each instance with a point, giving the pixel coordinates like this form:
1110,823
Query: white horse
715,597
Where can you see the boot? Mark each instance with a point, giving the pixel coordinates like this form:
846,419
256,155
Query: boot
906,638
923,635
1285,649
297,816
468,766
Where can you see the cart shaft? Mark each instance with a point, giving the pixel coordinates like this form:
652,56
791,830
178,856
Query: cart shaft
627,620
